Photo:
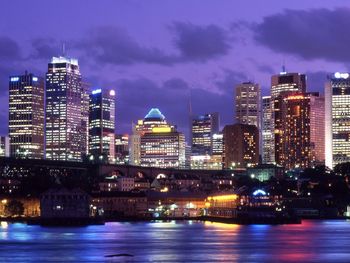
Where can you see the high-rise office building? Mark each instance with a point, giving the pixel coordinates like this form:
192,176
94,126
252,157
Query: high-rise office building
26,116
268,142
66,115
337,115
241,145
248,105
299,130
203,129
161,145
122,148
4,146
282,83
102,125
217,154
154,119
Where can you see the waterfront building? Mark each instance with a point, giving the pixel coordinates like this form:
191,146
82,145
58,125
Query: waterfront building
66,111
268,153
299,130
264,172
248,105
58,203
102,125
337,115
4,146
26,116
241,145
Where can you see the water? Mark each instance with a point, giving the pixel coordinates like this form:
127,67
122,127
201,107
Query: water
312,241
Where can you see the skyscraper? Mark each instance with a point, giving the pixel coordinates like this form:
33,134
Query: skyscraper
4,146
241,145
161,145
268,142
337,114
299,129
248,105
281,83
102,125
66,119
203,129
26,116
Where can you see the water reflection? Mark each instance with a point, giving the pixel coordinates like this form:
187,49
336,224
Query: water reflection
313,241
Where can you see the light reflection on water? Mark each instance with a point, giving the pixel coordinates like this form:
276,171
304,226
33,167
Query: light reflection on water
312,241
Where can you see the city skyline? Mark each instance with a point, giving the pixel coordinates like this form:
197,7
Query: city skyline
166,59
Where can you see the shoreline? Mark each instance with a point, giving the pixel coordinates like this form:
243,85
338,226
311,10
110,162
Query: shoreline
239,221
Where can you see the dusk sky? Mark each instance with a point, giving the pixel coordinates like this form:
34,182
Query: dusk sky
161,53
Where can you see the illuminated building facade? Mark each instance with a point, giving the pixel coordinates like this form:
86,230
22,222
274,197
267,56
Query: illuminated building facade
4,146
282,83
66,115
160,144
102,125
299,130
241,145
154,119
122,148
337,114
203,128
248,106
26,116
268,142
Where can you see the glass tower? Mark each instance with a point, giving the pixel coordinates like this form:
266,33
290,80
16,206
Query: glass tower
66,114
102,125
26,116
337,116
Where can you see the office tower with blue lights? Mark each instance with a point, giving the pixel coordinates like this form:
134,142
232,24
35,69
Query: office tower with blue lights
337,116
161,145
203,128
26,116
102,125
66,111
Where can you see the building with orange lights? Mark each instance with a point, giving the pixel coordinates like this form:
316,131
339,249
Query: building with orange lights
241,145
299,130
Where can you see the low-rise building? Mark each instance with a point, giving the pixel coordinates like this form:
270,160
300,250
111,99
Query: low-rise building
120,204
64,203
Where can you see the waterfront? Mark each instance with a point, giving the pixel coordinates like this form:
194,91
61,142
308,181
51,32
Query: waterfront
185,241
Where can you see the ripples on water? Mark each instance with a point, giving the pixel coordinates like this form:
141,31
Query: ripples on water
312,241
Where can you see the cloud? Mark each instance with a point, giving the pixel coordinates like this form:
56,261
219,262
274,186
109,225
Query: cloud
200,43
44,48
9,49
310,34
193,43
114,45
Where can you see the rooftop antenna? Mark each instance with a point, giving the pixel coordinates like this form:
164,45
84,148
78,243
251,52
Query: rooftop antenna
63,49
283,66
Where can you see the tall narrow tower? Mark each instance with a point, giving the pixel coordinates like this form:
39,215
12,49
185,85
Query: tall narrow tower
65,116
26,116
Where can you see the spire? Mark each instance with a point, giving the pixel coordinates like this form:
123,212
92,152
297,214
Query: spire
63,49
283,68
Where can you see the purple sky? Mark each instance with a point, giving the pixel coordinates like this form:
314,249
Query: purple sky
157,53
